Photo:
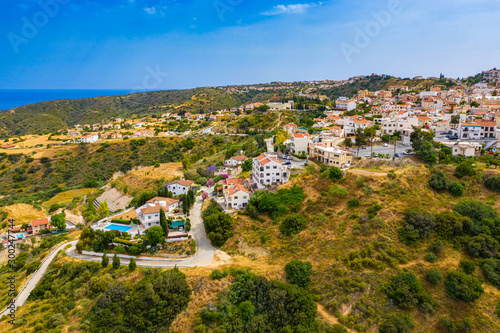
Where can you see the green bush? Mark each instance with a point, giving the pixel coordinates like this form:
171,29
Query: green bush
134,250
430,257
293,224
457,189
436,247
218,275
447,324
218,225
353,202
299,272
335,173
462,287
417,224
465,169
121,221
467,266
491,270
397,323
493,183
434,276
406,292
439,181
476,210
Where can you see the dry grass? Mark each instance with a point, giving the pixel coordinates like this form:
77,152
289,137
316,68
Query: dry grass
23,213
66,197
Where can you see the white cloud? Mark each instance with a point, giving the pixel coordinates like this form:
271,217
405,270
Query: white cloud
299,8
156,10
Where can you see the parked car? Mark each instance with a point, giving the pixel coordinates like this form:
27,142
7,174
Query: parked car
363,147
386,145
288,163
368,155
397,155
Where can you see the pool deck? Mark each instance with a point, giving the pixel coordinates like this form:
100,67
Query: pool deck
103,225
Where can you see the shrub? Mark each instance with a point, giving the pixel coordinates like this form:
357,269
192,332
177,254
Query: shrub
491,270
105,260
335,173
53,208
447,324
218,225
134,250
339,192
406,292
119,249
417,224
467,266
116,262
132,265
464,169
436,247
493,183
475,210
121,221
450,225
457,189
483,246
439,181
218,275
434,276
293,224
397,323
462,287
353,202
391,174
299,272
430,257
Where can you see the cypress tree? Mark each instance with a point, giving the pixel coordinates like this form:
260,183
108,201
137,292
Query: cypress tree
132,265
105,260
116,262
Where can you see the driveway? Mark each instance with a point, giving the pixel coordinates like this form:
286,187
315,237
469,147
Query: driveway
383,150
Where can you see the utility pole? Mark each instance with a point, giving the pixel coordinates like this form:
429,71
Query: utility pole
371,144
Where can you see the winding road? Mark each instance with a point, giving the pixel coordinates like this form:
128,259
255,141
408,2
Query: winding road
204,256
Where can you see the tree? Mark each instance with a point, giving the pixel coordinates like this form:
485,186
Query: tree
247,165
491,270
463,287
204,196
218,225
335,173
293,224
385,138
24,226
476,210
299,272
116,261
103,209
455,119
163,222
155,235
59,221
370,133
105,260
406,292
417,224
397,323
457,188
493,183
422,143
361,139
347,143
132,265
251,147
186,162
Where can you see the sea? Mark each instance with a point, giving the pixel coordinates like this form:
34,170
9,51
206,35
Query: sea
11,98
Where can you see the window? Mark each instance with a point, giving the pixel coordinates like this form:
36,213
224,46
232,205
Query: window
235,198
149,217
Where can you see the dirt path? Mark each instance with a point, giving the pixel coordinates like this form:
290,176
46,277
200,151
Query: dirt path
328,318
366,172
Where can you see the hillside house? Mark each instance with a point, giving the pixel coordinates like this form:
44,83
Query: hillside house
149,213
236,196
299,143
91,138
268,170
38,225
181,186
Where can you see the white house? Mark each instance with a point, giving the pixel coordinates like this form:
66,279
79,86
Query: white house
180,186
390,126
345,104
89,138
299,143
235,160
236,196
268,170
149,214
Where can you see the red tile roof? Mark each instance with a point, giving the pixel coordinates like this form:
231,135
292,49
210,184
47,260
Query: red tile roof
183,182
43,221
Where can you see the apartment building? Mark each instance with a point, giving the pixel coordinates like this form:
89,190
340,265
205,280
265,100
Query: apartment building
327,153
268,170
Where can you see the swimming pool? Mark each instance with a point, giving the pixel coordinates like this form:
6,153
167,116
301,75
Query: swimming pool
118,227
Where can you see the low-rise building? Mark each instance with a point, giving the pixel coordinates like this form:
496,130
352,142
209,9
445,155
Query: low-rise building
268,170
91,138
180,186
299,143
467,149
149,214
236,196
330,155
38,225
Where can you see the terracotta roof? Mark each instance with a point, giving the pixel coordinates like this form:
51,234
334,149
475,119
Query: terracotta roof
300,135
168,201
470,124
233,181
486,123
235,188
183,182
290,125
151,209
239,158
39,222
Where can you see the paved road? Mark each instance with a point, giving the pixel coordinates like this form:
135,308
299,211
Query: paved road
35,278
205,252
204,256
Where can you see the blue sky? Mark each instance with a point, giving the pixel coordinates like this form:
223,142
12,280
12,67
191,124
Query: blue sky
167,44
